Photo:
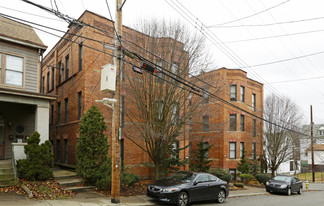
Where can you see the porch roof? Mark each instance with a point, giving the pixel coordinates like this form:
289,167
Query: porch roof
21,93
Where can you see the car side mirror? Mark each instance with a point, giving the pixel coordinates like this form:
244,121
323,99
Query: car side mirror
196,183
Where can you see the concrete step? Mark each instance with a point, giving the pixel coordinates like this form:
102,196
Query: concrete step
80,188
63,174
5,162
8,182
70,182
6,175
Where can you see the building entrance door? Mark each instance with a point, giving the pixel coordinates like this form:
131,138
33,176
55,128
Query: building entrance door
2,142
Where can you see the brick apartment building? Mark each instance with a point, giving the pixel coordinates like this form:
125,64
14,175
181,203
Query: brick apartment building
229,130
72,71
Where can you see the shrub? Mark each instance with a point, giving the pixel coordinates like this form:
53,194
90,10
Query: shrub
39,160
127,178
93,164
262,178
222,174
246,177
238,184
200,161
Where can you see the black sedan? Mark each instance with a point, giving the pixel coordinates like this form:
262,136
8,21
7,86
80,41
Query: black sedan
284,184
184,187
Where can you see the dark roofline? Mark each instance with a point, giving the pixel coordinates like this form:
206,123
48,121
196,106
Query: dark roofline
22,41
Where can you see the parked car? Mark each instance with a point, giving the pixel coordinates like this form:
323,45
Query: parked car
184,187
284,184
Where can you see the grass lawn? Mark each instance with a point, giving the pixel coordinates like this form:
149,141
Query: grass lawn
319,176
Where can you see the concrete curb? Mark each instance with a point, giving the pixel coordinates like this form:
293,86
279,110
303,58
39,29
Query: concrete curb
27,190
248,194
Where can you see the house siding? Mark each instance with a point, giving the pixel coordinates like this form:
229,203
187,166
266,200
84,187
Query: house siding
30,64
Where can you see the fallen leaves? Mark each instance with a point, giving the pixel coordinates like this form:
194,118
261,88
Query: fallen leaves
42,190
138,188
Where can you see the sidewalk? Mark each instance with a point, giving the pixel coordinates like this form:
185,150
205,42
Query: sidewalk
96,199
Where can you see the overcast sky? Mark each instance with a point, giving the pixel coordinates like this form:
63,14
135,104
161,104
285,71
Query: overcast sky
246,34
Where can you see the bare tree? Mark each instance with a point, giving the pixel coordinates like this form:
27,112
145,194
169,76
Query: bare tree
161,102
280,139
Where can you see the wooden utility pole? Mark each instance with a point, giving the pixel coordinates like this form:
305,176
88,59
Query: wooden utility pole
115,170
312,144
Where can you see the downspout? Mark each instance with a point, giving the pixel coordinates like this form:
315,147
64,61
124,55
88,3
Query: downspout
40,53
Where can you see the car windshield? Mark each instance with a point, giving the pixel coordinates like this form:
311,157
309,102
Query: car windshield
184,177
282,178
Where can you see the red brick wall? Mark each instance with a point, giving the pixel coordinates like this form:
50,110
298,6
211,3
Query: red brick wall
219,135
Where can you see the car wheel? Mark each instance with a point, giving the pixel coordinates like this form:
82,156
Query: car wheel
221,196
268,190
289,191
300,190
183,199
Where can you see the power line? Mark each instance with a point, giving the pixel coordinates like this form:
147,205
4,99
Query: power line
31,14
296,80
215,96
282,60
276,36
257,13
270,24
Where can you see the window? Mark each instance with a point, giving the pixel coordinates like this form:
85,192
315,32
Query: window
254,128
232,150
52,114
242,94
175,113
65,150
190,125
58,112
80,56
232,122
175,68
253,102
241,150
205,122
60,67
48,82
14,68
242,122
253,150
202,178
205,96
160,75
175,149
233,92
205,146
190,99
233,173
122,112
159,105
66,101
67,67
43,85
79,105
321,132
53,74
291,165
58,150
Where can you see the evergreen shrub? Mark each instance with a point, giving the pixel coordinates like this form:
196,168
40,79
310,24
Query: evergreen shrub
93,164
39,160
222,174
246,177
262,178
